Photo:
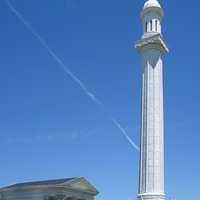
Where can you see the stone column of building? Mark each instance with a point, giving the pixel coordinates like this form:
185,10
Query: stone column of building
152,47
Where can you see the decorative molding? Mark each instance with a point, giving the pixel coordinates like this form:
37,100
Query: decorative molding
152,9
153,42
150,196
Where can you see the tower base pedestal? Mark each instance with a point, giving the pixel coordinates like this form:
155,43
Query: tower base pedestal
151,196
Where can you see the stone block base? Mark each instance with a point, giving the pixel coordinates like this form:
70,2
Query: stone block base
150,196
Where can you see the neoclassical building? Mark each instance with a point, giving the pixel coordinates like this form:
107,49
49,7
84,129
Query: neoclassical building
60,189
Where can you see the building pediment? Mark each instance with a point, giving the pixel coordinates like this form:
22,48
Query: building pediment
80,184
70,184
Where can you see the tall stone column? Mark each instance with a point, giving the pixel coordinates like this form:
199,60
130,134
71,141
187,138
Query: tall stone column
152,47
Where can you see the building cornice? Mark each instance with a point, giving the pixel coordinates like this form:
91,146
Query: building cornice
153,42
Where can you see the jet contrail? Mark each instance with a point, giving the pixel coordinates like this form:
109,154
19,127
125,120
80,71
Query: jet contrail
67,70
118,125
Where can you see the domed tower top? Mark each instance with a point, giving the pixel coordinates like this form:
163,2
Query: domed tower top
151,15
151,3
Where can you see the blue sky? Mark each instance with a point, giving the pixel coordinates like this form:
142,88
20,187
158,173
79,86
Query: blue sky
51,129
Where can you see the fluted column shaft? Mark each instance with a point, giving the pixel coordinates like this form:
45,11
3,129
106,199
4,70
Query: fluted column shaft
151,155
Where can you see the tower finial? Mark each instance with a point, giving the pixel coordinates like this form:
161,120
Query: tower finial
151,15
